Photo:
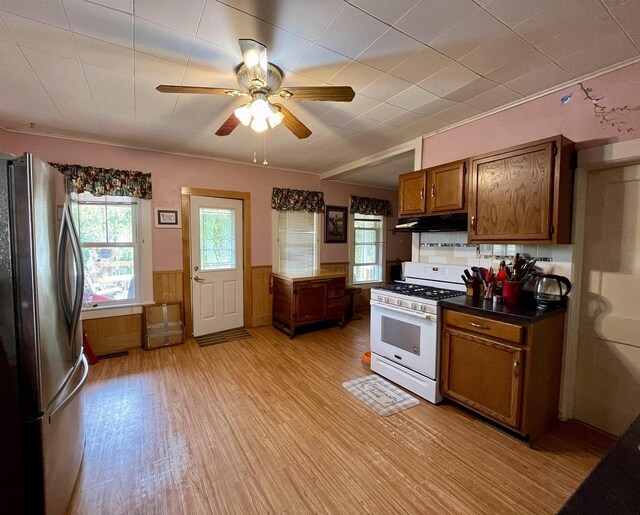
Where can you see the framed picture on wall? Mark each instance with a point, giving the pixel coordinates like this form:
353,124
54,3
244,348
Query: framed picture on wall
167,218
335,224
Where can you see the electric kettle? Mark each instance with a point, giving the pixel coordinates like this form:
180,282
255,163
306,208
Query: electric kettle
551,290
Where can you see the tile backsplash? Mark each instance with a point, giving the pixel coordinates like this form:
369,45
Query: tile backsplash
453,248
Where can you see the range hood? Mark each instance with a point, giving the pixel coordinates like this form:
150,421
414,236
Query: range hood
435,223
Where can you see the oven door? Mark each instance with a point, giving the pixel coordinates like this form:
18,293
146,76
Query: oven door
411,340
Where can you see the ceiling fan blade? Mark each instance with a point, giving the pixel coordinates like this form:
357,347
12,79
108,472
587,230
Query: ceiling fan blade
254,55
228,126
332,93
164,88
291,122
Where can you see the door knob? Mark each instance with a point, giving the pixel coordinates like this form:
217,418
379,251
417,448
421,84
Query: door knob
198,279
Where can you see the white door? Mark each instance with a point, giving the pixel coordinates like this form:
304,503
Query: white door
216,264
608,367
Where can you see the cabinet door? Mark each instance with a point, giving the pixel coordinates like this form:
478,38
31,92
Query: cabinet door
483,374
446,188
511,195
311,301
411,190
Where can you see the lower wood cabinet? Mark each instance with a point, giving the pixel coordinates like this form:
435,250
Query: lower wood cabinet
297,303
508,372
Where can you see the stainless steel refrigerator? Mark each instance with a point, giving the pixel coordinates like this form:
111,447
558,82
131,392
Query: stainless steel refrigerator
42,365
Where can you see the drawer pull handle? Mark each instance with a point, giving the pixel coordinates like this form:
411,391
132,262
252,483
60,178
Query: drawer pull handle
479,326
515,368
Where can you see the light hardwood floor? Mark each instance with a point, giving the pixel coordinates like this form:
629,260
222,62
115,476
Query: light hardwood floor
264,426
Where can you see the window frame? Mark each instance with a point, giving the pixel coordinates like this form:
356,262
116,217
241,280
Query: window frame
351,240
275,241
142,221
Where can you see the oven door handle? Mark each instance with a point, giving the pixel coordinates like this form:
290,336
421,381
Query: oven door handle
424,316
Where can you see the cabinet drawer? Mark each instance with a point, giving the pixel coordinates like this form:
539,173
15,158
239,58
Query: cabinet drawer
502,330
337,284
335,294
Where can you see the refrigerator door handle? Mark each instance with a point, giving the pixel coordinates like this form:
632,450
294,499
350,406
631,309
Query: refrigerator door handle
60,264
79,264
75,391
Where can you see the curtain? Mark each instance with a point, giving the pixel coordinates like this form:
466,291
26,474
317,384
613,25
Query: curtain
285,199
370,206
107,181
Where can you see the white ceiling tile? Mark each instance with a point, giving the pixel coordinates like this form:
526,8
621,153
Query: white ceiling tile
45,11
513,12
309,111
432,108
386,87
160,41
599,55
412,98
361,124
574,40
110,86
458,113
11,56
628,14
295,79
426,125
384,112
211,65
389,50
17,75
114,112
496,53
5,35
100,22
421,65
42,62
359,105
103,54
337,117
474,31
539,79
73,107
493,98
120,5
320,63
431,18
356,75
634,34
385,10
475,88
448,79
406,118
182,16
65,86
40,36
149,100
292,15
160,70
613,3
515,68
351,32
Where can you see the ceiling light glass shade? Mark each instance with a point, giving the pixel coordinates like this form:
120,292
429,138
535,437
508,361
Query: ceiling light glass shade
275,118
243,113
259,124
260,108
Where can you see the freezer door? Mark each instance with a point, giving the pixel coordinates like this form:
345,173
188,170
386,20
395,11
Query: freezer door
48,337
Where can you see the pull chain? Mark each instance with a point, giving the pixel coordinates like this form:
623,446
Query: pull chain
265,162
255,158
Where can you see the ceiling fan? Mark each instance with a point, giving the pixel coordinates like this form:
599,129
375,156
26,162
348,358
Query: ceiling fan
260,79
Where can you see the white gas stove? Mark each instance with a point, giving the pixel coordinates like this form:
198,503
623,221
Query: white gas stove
405,330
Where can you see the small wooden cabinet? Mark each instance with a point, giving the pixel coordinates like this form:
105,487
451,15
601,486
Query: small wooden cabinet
523,194
508,372
433,191
300,302
446,188
411,194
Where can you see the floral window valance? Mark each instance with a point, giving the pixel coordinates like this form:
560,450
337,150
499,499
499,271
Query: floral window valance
107,181
285,199
370,206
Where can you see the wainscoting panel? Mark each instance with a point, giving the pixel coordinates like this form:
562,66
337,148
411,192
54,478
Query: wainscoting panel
167,286
114,334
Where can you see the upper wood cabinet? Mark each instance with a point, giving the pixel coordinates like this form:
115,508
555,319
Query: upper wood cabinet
523,194
446,188
412,200
433,191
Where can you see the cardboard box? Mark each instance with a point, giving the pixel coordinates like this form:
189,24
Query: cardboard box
163,325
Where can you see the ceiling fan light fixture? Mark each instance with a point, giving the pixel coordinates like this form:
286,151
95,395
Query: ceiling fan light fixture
259,124
243,113
260,107
275,118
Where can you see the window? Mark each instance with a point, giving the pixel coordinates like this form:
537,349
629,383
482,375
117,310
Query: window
297,246
367,249
111,238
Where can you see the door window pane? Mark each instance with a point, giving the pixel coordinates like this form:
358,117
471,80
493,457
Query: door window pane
217,238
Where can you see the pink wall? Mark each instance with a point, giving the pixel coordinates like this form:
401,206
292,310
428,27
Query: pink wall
170,172
541,118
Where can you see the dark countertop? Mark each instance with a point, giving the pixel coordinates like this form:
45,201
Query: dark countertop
614,485
527,311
